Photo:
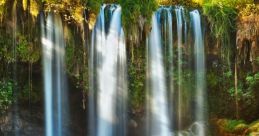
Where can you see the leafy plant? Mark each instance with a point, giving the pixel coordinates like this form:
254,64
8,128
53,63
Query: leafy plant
94,5
252,81
248,9
137,77
232,124
6,95
25,50
132,10
222,20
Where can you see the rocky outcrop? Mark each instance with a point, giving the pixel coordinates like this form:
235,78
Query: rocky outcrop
247,40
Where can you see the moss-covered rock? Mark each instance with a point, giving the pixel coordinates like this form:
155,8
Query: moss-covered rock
253,129
225,127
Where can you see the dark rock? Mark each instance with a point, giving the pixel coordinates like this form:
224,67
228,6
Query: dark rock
24,123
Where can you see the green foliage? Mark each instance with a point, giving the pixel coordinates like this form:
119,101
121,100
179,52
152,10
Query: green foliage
132,10
26,52
6,48
230,3
222,16
248,9
147,8
94,5
232,90
222,20
137,76
244,89
223,86
136,86
231,125
23,50
188,3
6,95
252,81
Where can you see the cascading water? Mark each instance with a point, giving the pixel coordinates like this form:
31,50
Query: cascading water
55,90
167,37
158,118
179,20
179,107
200,116
108,75
170,61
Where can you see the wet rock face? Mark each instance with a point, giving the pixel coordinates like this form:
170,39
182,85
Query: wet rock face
247,41
26,123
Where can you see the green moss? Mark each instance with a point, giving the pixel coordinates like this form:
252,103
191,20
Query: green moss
254,127
232,126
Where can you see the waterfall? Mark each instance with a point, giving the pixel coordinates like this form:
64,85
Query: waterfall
179,19
199,72
157,95
55,90
171,97
108,75
168,37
